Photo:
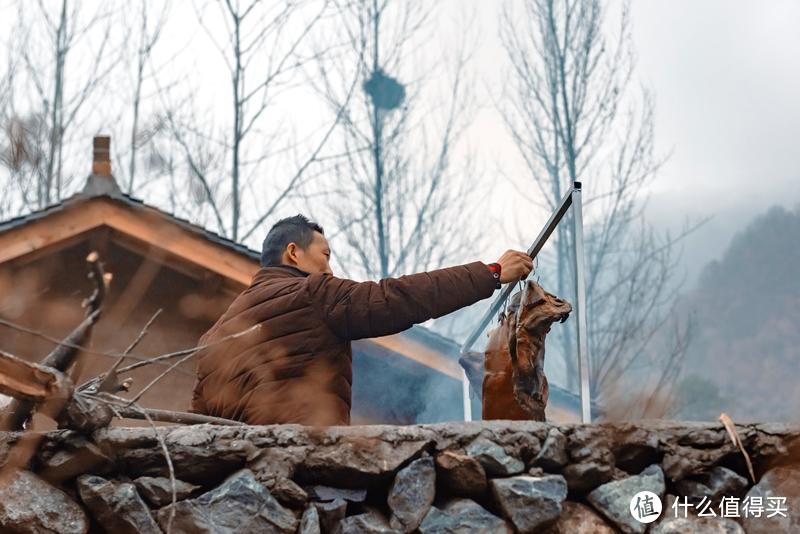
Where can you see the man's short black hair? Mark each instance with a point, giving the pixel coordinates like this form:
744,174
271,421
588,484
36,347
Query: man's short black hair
298,229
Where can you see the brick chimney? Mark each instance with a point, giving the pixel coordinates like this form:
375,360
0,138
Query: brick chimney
101,181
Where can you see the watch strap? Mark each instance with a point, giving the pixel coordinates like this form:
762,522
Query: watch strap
495,269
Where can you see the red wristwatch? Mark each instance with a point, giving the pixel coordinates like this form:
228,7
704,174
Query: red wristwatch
495,268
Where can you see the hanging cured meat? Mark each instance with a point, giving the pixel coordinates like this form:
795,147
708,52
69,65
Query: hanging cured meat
514,385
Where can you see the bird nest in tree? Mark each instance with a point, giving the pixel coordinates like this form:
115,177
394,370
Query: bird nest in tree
386,92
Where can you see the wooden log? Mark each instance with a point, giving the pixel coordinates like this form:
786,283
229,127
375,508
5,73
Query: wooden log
31,382
167,416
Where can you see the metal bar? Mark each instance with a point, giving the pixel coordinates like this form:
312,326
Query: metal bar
465,396
580,291
541,239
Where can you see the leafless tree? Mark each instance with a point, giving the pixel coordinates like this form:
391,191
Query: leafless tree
23,156
6,148
56,80
236,161
395,199
574,115
147,32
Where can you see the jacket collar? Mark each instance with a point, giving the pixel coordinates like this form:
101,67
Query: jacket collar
278,271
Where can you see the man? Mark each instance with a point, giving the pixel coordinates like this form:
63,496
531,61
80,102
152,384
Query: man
297,366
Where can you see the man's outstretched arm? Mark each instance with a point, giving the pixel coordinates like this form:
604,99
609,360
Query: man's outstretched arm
355,310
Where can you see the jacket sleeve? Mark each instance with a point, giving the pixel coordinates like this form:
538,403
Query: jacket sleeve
355,310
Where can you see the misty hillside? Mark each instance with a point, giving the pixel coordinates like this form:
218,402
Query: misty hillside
745,355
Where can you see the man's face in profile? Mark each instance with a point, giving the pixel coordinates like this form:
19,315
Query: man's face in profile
316,257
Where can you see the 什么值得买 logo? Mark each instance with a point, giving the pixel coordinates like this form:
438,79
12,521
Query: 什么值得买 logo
645,507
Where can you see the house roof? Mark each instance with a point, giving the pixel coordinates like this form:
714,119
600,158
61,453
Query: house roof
134,203
182,244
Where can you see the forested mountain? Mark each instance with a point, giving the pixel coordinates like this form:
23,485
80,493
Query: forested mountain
744,358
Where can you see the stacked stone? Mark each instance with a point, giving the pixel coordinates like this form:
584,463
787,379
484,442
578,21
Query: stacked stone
491,477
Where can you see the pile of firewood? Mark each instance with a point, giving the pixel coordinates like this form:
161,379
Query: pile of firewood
46,387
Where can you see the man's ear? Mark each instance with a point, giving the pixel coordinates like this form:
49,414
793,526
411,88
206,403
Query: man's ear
291,252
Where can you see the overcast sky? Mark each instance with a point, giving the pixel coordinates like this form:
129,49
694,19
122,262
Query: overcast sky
726,78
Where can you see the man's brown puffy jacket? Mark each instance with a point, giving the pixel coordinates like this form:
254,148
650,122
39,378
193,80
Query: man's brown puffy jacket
297,367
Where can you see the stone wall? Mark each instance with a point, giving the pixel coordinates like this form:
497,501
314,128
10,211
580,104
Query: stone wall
488,477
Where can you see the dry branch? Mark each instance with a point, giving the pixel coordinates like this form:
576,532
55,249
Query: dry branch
55,341
124,408
184,352
727,422
109,382
23,378
64,355
30,382
186,358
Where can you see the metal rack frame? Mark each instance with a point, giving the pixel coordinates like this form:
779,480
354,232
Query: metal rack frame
571,199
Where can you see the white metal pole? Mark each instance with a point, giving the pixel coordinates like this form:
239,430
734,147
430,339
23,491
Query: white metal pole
465,395
580,290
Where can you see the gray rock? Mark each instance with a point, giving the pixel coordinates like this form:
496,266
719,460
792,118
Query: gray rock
591,444
494,459
586,476
463,516
327,493
530,503
460,475
239,504
693,490
591,461
412,493
371,522
66,464
117,507
723,481
274,462
330,514
287,492
633,448
613,499
158,490
28,504
438,522
309,523
196,458
697,525
85,414
553,454
777,482
718,482
705,449
577,518
356,463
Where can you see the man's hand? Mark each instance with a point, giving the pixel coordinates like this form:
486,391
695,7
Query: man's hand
514,265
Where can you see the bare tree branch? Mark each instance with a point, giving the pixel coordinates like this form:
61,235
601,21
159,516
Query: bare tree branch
573,118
